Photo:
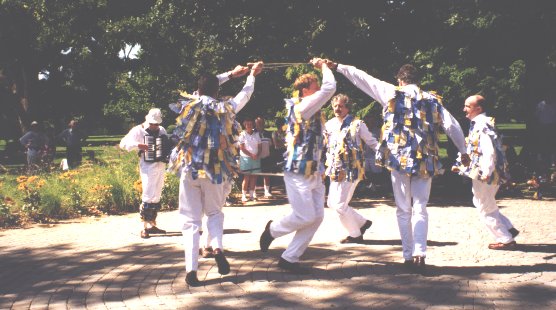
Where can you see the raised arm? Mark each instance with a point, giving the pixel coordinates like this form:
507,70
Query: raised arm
241,99
312,103
238,71
379,90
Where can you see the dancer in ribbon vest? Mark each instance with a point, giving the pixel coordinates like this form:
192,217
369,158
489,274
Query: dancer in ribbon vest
205,158
303,169
485,163
205,247
345,163
408,148
151,171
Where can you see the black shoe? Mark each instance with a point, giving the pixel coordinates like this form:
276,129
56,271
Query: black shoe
155,230
266,238
350,239
294,268
419,262
514,232
222,263
408,263
191,278
365,226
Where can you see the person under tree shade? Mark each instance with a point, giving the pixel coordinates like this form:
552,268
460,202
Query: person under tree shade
73,138
151,173
485,163
35,142
409,148
205,159
303,169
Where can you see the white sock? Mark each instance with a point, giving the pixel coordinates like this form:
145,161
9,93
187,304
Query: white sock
267,190
253,195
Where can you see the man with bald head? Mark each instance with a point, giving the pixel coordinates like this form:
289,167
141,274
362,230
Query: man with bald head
485,163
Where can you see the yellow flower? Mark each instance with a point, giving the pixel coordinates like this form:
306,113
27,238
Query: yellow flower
21,179
138,186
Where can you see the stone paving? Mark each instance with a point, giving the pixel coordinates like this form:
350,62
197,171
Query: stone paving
102,263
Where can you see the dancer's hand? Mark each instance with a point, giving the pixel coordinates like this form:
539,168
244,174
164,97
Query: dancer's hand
238,71
256,67
317,62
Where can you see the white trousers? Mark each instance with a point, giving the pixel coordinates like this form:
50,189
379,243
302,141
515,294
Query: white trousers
198,197
484,199
306,197
205,237
152,180
411,194
339,196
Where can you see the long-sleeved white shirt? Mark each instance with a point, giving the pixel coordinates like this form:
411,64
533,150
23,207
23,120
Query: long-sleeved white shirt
383,92
136,136
311,104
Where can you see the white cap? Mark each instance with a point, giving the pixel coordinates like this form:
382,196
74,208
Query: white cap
34,123
154,116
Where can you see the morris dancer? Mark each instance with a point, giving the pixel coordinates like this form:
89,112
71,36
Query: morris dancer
152,173
485,163
303,169
205,159
345,163
409,148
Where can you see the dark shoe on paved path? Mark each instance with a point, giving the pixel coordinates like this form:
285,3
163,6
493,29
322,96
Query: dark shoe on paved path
294,268
514,232
350,239
206,252
408,263
502,246
145,234
366,226
191,278
155,230
222,263
266,238
419,263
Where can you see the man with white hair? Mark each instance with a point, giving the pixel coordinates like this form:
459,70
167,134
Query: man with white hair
151,171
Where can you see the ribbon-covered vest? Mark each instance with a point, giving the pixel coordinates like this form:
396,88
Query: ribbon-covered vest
207,133
409,137
474,149
345,160
304,141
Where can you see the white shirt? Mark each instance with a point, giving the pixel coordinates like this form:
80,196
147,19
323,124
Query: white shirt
250,141
311,104
383,92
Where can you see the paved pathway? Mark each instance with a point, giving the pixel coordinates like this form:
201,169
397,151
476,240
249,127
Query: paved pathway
101,263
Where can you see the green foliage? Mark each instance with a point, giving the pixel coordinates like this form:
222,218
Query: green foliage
499,48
